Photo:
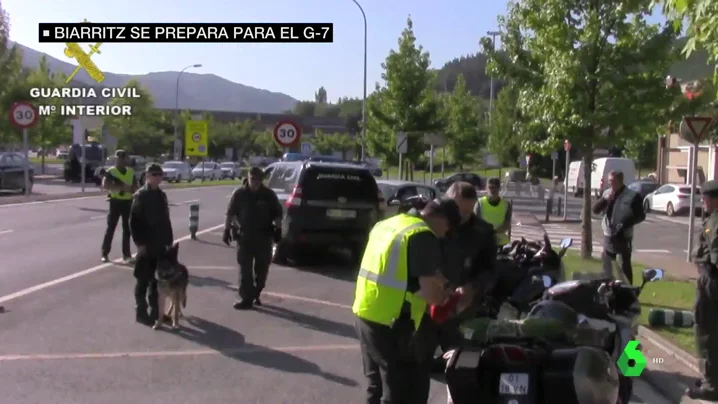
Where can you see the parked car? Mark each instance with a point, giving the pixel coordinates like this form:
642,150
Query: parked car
12,171
643,187
395,192
442,184
177,171
230,170
325,205
207,170
672,199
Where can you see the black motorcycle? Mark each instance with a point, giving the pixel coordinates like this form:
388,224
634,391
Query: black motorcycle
564,351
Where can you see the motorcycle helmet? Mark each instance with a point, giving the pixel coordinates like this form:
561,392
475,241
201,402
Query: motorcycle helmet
556,310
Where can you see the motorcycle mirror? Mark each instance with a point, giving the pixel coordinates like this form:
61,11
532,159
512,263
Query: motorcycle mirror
652,274
547,281
566,242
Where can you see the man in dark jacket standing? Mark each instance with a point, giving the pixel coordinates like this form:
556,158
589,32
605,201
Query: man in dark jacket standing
622,209
152,233
469,256
257,215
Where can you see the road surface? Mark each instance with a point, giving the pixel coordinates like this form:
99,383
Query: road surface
68,334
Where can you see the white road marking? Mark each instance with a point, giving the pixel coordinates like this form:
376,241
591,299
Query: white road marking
103,195
98,217
6,231
88,271
653,251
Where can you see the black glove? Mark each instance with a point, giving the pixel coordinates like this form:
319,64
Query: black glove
227,236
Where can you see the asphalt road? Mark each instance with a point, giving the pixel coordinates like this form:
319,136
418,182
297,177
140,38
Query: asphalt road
42,241
68,333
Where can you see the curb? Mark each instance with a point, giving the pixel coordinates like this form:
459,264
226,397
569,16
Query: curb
685,358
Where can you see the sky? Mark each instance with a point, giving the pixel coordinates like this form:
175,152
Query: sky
447,29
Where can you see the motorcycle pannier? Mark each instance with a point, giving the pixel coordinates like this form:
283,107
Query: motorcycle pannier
537,376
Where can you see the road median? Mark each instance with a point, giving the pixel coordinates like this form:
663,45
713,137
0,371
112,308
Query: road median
94,191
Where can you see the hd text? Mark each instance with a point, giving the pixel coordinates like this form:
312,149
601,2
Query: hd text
189,33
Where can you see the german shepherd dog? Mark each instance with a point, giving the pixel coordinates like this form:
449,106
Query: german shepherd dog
172,281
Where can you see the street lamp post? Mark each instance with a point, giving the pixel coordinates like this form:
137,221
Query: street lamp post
177,149
493,35
363,104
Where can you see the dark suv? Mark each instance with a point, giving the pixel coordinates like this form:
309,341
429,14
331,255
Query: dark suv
326,204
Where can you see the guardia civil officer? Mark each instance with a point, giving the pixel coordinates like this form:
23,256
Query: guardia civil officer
496,210
152,233
399,275
257,213
706,308
622,209
120,181
469,255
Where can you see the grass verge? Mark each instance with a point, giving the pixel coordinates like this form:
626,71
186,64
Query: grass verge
38,160
198,183
666,293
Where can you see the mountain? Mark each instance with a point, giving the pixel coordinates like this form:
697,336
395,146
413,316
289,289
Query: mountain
204,92
473,67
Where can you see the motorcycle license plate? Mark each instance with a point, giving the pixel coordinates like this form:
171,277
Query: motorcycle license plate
514,384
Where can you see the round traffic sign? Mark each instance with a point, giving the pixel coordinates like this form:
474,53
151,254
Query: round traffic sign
287,133
566,145
196,137
23,115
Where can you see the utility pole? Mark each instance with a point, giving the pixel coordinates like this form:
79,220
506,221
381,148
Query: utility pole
493,35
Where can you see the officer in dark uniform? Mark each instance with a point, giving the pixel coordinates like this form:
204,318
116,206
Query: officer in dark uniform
256,214
152,233
706,308
469,254
120,181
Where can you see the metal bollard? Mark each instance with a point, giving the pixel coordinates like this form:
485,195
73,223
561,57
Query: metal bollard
193,220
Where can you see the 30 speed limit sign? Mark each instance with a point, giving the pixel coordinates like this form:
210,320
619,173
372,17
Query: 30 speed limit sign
287,134
23,115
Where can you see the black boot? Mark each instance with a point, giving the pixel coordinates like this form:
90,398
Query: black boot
142,317
244,304
702,391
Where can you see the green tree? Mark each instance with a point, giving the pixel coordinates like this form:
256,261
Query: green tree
12,77
320,97
464,138
699,20
406,103
584,69
139,133
329,143
503,133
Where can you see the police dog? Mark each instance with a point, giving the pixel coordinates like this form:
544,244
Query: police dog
172,281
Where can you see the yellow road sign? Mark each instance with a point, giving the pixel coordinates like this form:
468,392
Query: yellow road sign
196,138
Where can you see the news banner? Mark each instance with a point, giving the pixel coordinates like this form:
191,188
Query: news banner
186,33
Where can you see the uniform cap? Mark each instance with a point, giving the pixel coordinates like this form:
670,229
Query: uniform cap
445,207
710,188
154,168
120,153
255,172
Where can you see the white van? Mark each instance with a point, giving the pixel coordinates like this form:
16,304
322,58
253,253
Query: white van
603,166
574,179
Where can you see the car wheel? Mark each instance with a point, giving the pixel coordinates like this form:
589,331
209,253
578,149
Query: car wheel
646,206
178,179
670,211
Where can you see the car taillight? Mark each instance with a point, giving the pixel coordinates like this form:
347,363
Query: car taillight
509,353
681,196
295,199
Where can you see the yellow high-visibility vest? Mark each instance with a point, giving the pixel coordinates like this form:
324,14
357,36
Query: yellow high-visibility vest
496,215
127,178
383,277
